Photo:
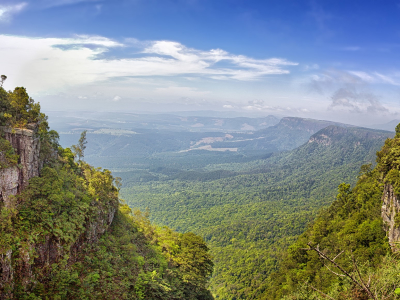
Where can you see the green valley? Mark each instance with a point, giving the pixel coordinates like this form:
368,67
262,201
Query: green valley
254,210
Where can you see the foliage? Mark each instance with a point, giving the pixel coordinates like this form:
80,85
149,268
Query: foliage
251,216
352,224
79,149
17,109
8,157
133,260
62,243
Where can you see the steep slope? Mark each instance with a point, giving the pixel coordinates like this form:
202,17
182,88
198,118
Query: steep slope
358,230
248,219
288,134
64,233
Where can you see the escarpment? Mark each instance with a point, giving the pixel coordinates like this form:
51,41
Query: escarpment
28,250
26,144
391,216
64,233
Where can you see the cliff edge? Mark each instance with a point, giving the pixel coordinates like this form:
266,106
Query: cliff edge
64,233
391,216
26,144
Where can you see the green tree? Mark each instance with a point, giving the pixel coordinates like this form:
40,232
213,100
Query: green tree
3,78
79,149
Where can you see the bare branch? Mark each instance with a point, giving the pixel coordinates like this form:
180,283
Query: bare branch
366,286
322,293
337,274
338,255
322,255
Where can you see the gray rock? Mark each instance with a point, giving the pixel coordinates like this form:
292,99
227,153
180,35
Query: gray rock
390,208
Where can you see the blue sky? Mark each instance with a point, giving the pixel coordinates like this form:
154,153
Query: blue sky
335,60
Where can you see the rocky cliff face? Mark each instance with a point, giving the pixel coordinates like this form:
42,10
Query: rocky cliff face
391,216
27,145
22,262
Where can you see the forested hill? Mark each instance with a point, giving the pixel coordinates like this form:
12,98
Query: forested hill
130,141
66,235
345,252
252,215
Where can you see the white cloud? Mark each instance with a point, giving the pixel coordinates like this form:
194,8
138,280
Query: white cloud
53,3
363,75
7,11
116,98
388,78
50,64
350,91
376,77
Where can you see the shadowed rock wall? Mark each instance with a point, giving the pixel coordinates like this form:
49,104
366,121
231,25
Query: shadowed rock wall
27,145
390,211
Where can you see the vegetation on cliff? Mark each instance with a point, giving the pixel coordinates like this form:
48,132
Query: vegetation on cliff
351,230
18,110
67,235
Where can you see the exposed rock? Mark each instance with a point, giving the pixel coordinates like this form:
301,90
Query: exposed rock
390,209
42,255
9,182
6,275
27,145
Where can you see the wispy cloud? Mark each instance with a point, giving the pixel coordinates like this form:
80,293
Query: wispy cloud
58,62
377,77
240,67
8,11
54,3
349,91
349,98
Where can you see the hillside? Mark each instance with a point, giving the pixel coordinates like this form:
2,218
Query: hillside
123,144
64,233
250,216
359,232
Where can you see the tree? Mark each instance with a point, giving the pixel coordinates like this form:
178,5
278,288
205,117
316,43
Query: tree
397,130
79,149
3,78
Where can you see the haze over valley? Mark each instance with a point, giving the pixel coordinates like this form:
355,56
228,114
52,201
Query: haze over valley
199,149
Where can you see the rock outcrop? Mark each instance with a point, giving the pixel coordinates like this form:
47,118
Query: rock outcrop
26,143
23,262
391,216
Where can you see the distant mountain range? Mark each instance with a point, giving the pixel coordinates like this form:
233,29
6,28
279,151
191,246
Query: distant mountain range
390,126
92,121
123,140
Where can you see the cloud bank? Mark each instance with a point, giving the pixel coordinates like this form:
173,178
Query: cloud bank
350,91
49,64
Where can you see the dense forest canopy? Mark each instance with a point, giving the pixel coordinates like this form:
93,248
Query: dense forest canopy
250,212
55,239
351,232
268,222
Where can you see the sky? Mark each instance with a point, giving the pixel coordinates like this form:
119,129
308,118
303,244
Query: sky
335,60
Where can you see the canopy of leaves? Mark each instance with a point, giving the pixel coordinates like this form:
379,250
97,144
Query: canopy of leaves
61,211
251,215
352,224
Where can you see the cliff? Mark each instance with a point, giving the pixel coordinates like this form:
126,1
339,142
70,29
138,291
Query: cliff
64,233
26,144
391,216
21,263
